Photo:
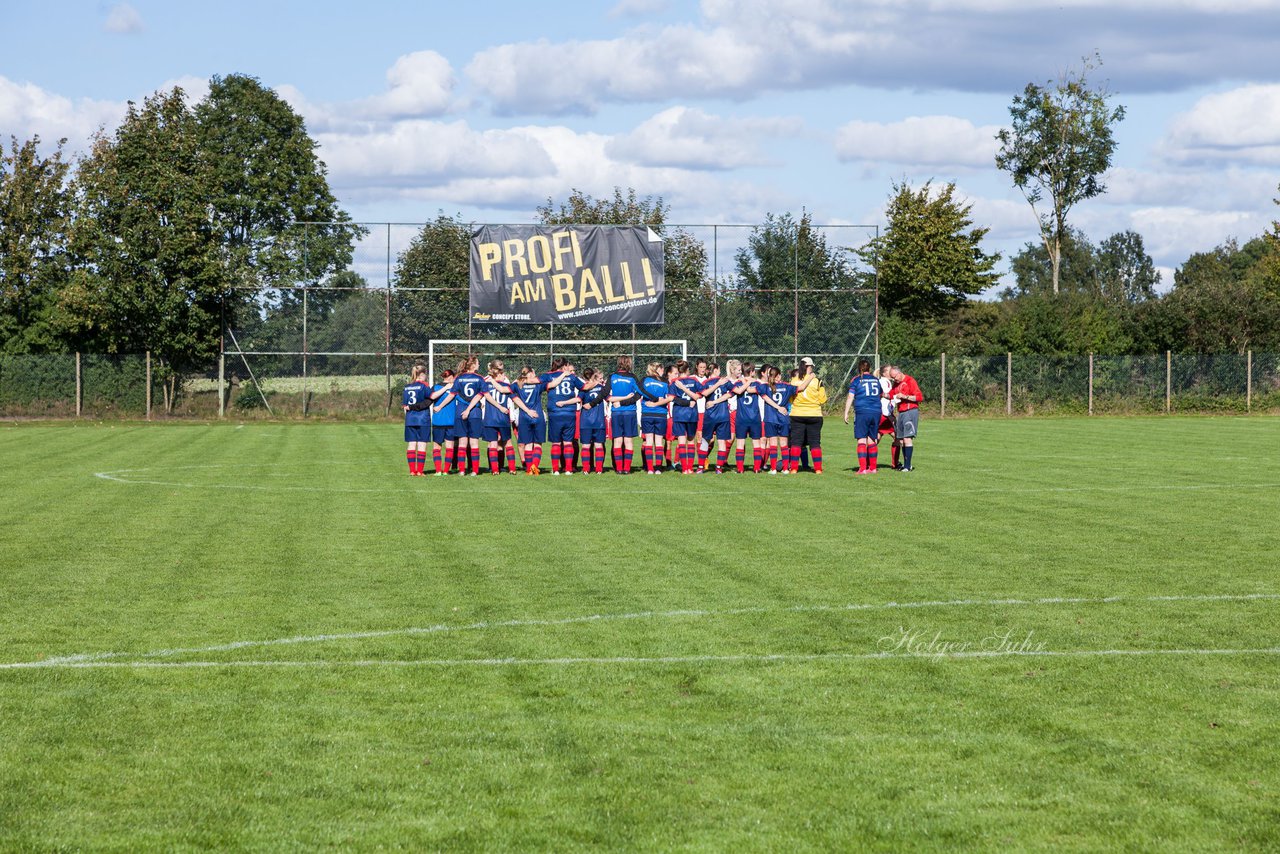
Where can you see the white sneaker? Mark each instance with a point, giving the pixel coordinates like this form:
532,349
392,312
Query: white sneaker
555,474
568,473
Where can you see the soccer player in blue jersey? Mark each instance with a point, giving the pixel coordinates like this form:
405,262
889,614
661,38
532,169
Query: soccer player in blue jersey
562,386
416,420
467,387
749,423
685,391
531,427
622,389
864,399
777,419
497,391
444,414
591,432
716,391
654,417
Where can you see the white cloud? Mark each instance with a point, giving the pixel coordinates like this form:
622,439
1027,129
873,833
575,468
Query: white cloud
1172,233
742,47
27,110
123,18
419,84
919,140
429,153
692,139
1242,124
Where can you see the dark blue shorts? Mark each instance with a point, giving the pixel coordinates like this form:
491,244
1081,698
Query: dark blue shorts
655,424
415,433
441,433
684,429
748,428
591,436
531,432
498,432
866,425
469,428
716,430
561,430
624,424
777,429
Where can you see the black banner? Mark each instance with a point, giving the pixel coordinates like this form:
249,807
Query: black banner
566,274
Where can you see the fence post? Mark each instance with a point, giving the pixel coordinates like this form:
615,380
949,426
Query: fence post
1090,383
78,387
1168,381
222,385
942,395
148,385
1008,383
1248,382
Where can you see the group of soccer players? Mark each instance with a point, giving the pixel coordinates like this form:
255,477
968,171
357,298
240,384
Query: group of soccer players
684,415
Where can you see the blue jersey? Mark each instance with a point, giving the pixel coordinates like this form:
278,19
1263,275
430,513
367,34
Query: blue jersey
718,402
684,388
593,418
501,392
466,387
657,389
865,389
560,388
749,405
530,396
623,385
782,393
443,415
415,393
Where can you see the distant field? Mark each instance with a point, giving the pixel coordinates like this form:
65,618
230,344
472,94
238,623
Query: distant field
1057,634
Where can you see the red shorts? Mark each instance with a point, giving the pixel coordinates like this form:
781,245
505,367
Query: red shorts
886,425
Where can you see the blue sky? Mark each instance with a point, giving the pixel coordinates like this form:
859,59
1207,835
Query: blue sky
728,109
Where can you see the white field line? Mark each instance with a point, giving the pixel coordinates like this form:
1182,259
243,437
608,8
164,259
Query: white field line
83,658
660,660
124,476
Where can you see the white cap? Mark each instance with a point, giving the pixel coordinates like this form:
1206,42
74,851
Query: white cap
807,361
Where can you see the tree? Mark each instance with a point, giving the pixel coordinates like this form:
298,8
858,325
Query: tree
790,284
1033,273
34,212
1060,144
1222,300
270,202
437,258
930,257
151,273
1125,271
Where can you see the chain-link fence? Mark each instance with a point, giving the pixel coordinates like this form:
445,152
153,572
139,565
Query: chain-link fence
359,387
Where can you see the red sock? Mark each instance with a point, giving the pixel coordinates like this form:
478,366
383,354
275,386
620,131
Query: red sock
511,457
873,451
411,456
528,457
556,453
435,458
862,457
493,459
702,455
740,457
759,459
422,462
795,458
537,455
893,454
815,454
626,460
447,461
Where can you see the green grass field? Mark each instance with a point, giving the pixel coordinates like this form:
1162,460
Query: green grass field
271,637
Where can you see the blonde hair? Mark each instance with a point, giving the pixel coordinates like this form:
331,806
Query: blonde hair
654,369
496,367
734,367
418,370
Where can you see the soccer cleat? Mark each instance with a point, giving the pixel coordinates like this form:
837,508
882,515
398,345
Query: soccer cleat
905,469
533,470
566,474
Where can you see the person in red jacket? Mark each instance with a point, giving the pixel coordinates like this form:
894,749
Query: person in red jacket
907,395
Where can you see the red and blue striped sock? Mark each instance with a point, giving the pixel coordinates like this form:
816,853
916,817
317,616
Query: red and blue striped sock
411,456
873,451
740,457
511,457
795,458
815,453
862,457
557,451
